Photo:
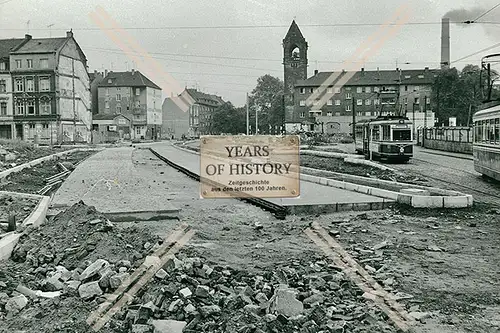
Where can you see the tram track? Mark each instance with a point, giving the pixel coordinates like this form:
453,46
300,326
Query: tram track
278,211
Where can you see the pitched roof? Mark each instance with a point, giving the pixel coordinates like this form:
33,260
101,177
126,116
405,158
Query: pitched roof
42,45
202,98
6,45
382,77
294,31
106,116
127,79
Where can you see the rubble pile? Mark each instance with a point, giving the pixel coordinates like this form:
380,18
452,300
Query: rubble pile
21,208
57,272
13,153
305,296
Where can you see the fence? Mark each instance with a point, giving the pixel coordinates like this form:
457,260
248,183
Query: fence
453,139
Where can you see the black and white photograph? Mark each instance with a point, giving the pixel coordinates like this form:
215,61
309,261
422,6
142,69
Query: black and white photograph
249,166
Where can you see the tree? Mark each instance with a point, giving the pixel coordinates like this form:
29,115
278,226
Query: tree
455,93
267,100
228,119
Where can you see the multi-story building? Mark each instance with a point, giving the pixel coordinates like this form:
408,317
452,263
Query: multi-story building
135,96
95,79
200,111
7,128
364,95
51,92
175,120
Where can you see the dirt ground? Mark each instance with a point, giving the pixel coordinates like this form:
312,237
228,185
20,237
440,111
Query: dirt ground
25,152
20,207
32,179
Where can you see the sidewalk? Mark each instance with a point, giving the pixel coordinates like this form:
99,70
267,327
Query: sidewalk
444,153
112,182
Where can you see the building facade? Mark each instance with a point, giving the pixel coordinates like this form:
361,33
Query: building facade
110,128
135,96
201,111
175,121
7,128
95,79
361,95
51,91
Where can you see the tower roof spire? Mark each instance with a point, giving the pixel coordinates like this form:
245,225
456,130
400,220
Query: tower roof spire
294,31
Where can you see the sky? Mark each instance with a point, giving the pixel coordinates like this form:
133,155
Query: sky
223,46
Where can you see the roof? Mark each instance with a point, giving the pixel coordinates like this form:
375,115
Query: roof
381,77
6,45
42,45
202,98
106,116
294,31
127,79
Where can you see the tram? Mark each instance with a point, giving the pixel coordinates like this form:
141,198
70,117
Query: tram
486,146
387,138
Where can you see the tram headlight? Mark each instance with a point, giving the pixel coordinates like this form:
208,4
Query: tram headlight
401,150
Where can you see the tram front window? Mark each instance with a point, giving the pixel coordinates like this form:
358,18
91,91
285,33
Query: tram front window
401,135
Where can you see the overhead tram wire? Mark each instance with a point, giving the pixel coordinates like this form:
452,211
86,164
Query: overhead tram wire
477,52
477,18
333,25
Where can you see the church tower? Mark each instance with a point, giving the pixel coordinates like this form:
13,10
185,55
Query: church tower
295,66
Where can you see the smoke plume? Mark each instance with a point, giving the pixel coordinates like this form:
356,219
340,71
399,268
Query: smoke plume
459,16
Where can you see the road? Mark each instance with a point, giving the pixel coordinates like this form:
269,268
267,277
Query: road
451,171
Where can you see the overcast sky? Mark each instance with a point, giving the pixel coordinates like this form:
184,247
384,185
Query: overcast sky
198,56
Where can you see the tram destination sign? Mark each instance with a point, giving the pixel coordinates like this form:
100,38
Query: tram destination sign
262,166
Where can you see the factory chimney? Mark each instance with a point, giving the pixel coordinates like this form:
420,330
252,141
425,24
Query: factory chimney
445,43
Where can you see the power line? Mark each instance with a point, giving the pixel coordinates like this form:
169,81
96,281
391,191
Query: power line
4,2
336,25
486,13
477,52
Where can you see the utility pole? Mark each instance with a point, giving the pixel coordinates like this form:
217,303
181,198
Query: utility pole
248,118
353,119
256,121
74,108
425,122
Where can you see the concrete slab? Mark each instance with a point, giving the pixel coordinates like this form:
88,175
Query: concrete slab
110,181
313,197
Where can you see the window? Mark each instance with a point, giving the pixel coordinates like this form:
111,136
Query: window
376,101
44,107
337,102
329,114
329,102
2,66
31,107
44,84
376,89
428,100
407,76
417,100
3,109
337,90
311,90
368,113
337,114
44,63
19,85
20,108
137,91
329,90
138,130
118,97
30,85
107,91
302,115
359,90
118,109
302,103
3,86
348,108
401,135
406,88
420,76
29,63
386,133
368,102
106,104
375,133
19,63
405,100
302,90
348,96
368,89
359,102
